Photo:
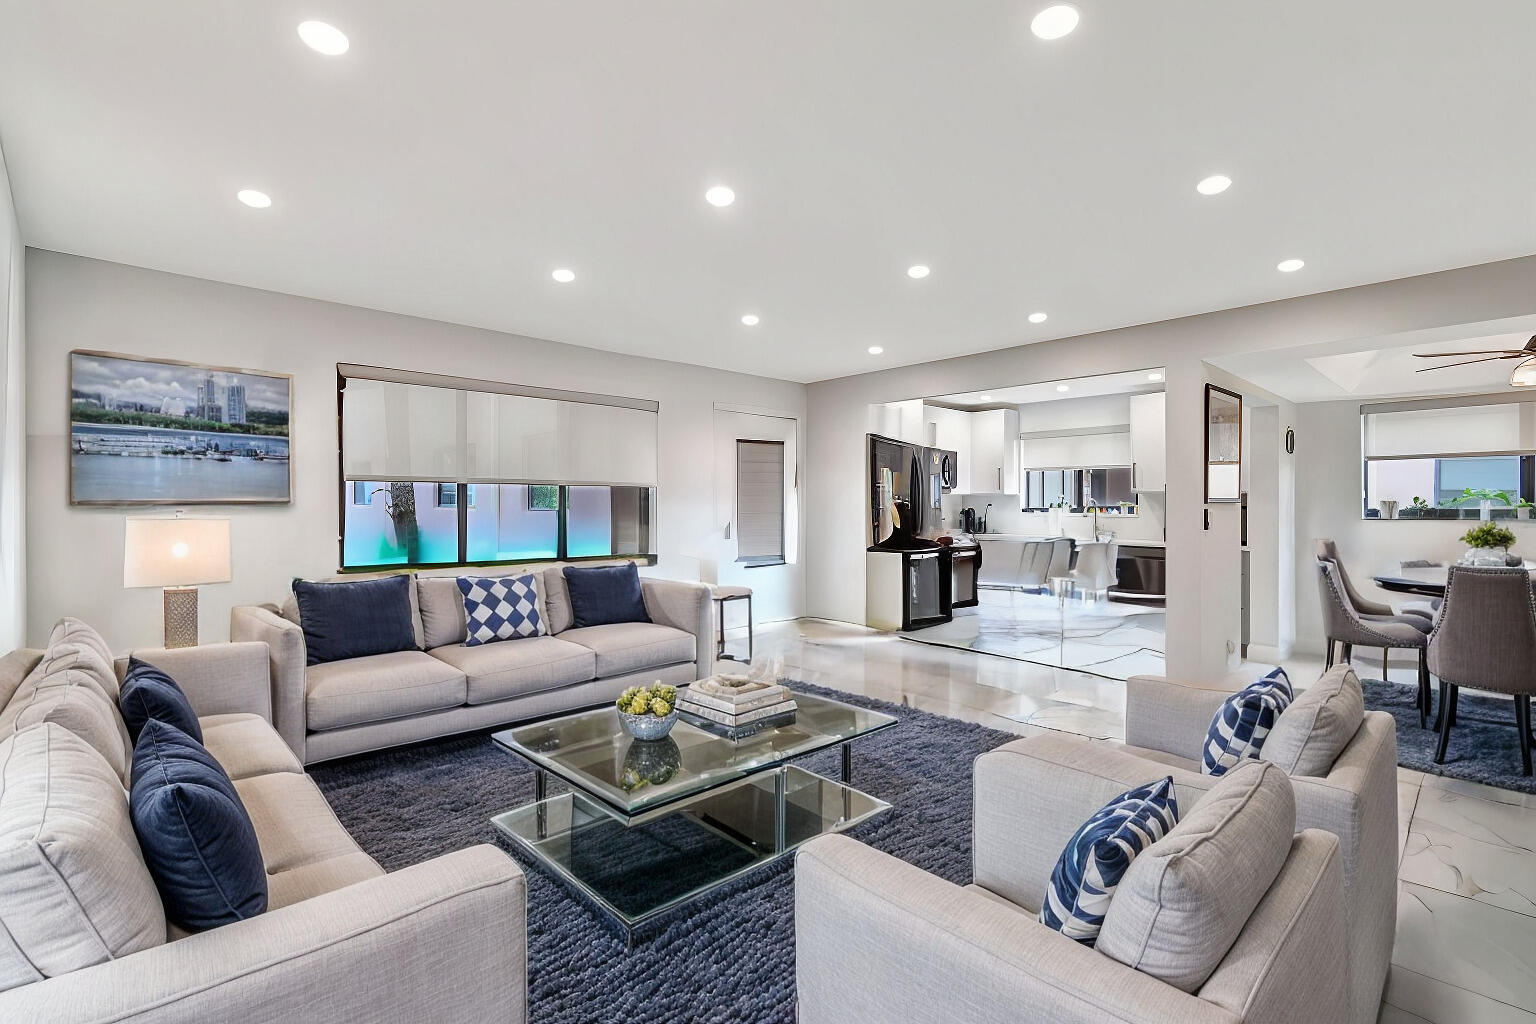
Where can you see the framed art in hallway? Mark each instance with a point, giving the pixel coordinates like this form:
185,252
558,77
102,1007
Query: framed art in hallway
148,431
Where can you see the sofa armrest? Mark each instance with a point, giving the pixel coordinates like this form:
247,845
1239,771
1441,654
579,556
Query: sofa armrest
14,668
1031,795
444,940
684,606
878,940
285,644
219,679
1171,716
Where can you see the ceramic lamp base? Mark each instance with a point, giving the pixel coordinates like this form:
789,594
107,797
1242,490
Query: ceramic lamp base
180,616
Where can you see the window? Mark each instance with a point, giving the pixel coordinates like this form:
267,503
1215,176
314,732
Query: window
1442,458
760,502
1078,489
479,443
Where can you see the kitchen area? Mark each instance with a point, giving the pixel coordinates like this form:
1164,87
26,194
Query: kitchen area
1025,522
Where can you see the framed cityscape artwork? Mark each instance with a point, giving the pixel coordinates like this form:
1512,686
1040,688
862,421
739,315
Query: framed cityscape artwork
162,432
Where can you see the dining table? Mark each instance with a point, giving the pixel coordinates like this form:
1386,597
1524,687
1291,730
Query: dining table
1426,580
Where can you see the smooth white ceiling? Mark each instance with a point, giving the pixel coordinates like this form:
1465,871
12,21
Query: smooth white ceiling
462,150
1130,382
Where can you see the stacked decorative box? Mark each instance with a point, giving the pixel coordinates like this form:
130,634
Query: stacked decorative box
736,705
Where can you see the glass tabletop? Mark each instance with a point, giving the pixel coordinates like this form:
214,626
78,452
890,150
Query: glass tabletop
589,751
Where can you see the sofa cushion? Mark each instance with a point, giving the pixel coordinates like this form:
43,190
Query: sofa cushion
500,608
74,644
1311,734
15,667
77,892
380,687
246,745
294,824
1098,854
605,594
318,878
355,620
499,671
74,700
148,692
557,600
442,611
196,837
289,609
625,647
1243,721
1182,902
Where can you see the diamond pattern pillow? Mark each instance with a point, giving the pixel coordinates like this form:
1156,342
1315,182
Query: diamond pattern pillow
1096,857
500,609
1242,724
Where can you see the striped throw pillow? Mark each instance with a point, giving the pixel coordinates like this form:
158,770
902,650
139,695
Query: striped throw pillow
1242,724
1095,859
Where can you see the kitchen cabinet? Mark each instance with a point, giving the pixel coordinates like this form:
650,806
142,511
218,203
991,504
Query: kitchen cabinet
995,452
1149,451
952,433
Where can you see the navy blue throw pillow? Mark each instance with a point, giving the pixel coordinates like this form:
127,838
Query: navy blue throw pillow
354,620
608,593
148,692
197,839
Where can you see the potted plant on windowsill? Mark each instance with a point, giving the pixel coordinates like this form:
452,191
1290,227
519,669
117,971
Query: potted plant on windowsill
1487,544
1418,510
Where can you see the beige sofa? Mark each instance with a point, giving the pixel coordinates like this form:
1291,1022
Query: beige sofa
341,941
347,707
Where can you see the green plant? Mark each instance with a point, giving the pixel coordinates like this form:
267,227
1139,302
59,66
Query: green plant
1487,535
1478,494
1419,502
657,699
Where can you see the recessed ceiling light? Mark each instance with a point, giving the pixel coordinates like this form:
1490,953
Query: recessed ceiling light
875,350
1055,21
917,272
983,398
1290,266
564,276
750,320
720,196
1154,376
1062,387
1214,185
323,38
251,197
1038,318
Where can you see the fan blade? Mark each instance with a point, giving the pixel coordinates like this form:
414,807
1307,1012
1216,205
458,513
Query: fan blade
1474,352
1469,362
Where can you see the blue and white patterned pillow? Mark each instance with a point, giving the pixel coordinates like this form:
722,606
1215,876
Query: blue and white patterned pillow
1095,859
1242,724
500,609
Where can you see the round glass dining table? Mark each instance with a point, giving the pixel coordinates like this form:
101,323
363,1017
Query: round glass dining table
1426,580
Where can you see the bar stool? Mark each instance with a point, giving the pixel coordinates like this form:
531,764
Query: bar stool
720,593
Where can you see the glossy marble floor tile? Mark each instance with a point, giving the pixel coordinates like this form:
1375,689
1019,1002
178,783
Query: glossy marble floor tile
1466,942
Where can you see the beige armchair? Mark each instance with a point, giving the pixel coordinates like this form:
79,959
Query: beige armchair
878,940
1166,722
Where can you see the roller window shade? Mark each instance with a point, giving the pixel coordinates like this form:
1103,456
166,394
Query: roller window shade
396,430
1423,430
759,500
1076,451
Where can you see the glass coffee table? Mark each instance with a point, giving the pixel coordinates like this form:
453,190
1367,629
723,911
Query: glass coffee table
647,826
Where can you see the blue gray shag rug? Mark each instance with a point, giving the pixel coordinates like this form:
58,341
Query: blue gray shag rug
728,957
1484,745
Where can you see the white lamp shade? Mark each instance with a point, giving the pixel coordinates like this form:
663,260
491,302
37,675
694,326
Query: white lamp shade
175,552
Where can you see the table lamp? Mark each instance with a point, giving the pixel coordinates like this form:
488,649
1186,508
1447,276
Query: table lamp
176,555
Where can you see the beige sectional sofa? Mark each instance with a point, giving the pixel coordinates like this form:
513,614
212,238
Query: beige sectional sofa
347,707
83,934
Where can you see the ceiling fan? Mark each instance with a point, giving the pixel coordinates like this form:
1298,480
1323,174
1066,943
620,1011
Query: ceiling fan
1522,376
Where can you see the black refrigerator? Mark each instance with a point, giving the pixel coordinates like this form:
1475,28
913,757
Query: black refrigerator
910,473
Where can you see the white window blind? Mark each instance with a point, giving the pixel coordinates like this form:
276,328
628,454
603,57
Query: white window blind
398,425
759,501
1443,428
1086,450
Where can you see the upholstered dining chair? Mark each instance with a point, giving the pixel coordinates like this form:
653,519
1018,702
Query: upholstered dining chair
1343,624
1414,613
1486,639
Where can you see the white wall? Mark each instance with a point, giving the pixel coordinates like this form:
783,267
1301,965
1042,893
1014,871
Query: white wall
75,554
13,413
1328,505
1202,563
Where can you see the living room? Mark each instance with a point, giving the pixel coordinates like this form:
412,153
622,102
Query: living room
436,493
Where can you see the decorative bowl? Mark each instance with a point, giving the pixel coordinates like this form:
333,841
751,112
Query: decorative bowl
647,727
